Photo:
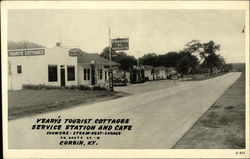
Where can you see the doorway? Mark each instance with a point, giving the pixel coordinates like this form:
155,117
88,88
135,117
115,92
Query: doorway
63,77
93,82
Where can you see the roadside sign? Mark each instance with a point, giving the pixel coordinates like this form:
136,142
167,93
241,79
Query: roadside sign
111,82
120,44
28,52
75,52
175,77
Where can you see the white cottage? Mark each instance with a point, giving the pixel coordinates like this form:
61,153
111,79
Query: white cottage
149,72
59,66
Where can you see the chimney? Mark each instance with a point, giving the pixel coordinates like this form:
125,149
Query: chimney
58,44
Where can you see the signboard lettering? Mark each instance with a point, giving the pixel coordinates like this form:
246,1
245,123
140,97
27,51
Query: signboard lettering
75,52
120,44
33,52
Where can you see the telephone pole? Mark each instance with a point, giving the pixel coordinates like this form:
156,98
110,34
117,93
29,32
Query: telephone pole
110,66
111,88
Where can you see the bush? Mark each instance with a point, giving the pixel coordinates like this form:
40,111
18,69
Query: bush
84,87
203,70
29,86
49,87
71,87
99,88
40,86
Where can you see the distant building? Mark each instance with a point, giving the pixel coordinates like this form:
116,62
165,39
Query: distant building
121,73
59,66
161,72
154,73
149,72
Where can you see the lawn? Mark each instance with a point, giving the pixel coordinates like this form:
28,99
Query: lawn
24,103
223,125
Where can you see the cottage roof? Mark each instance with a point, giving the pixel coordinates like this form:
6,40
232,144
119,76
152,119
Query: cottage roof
162,68
87,57
148,67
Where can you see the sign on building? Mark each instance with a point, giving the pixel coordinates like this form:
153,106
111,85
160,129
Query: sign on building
120,44
28,52
75,52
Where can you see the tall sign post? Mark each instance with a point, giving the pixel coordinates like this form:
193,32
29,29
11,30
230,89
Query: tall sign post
111,87
115,44
120,44
109,50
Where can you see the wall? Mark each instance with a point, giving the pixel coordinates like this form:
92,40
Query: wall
162,74
148,74
80,72
35,68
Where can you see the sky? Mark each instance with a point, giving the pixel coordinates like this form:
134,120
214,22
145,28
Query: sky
149,31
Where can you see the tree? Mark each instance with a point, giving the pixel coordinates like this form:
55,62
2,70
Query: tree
209,48
227,67
149,59
194,46
126,62
186,62
211,59
154,72
23,45
105,53
206,53
170,59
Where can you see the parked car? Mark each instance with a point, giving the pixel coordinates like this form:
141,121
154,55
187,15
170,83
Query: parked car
172,75
119,79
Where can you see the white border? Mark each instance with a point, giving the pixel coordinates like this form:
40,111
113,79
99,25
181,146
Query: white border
119,153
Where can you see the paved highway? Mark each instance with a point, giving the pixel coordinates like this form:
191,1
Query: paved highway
158,118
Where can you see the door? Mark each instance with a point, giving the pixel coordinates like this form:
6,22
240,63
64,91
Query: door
93,82
62,76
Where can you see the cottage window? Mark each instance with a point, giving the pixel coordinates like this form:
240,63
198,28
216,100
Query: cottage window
71,73
106,76
100,74
52,70
19,69
86,74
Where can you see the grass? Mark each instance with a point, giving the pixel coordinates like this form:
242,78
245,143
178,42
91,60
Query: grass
223,125
23,103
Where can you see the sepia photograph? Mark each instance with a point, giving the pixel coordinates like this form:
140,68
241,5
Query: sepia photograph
158,77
